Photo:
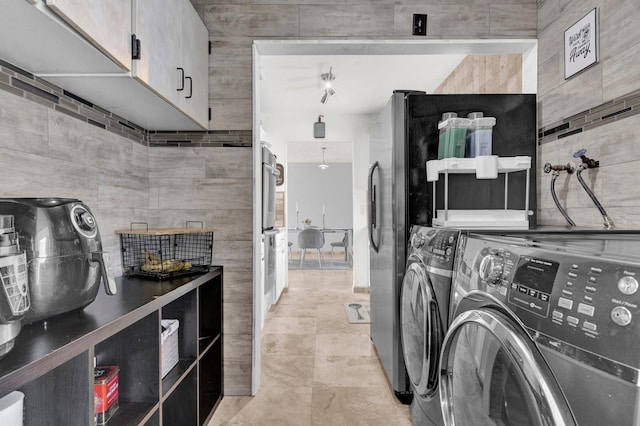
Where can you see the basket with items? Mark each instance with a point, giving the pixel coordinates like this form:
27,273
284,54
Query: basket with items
164,253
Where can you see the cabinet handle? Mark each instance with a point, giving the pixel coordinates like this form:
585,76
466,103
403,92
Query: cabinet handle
135,47
181,88
190,87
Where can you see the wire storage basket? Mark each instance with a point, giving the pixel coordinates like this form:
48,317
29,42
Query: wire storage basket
165,253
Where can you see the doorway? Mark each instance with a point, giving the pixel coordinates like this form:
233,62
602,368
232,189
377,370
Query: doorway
296,52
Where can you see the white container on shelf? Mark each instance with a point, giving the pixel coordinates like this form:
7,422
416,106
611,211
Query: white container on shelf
170,354
479,135
11,409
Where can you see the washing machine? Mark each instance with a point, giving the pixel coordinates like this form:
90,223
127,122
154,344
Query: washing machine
424,310
544,330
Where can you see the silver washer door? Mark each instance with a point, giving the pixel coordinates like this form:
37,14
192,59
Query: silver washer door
421,329
493,374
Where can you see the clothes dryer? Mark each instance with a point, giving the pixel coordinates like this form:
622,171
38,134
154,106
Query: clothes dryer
424,308
543,331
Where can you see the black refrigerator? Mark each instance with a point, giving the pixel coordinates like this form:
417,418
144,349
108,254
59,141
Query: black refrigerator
404,137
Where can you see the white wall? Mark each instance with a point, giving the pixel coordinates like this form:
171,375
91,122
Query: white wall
312,190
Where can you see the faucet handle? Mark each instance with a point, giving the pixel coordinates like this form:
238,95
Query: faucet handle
579,153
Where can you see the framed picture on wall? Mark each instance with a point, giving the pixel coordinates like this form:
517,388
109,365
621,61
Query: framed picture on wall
581,44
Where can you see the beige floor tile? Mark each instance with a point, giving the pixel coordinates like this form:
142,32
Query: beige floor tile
286,371
228,408
348,371
272,407
317,368
332,318
316,297
296,310
279,325
344,344
288,344
356,407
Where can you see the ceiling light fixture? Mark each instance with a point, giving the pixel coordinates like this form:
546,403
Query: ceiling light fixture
328,78
323,165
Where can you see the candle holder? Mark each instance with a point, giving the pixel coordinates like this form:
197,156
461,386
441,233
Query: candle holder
297,219
323,226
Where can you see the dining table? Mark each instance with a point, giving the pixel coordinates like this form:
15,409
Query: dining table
347,231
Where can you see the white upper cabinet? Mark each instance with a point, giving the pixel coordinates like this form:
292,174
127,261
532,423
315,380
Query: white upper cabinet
195,60
174,58
36,41
158,26
85,47
106,24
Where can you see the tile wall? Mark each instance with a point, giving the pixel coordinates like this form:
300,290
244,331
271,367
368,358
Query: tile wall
485,74
595,110
233,25
55,144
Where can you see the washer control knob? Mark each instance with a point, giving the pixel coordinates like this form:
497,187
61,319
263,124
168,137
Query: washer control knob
491,268
418,240
628,285
621,316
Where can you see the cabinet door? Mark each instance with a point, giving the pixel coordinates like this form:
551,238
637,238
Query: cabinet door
195,60
158,26
281,263
106,24
37,40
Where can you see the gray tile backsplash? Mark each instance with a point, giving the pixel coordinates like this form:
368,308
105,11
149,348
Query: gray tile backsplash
53,143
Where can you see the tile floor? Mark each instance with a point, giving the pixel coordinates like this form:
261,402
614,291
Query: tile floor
317,368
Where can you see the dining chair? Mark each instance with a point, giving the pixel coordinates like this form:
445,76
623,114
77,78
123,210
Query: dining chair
344,243
310,238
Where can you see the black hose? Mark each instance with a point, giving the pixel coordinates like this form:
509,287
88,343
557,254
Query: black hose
607,220
555,200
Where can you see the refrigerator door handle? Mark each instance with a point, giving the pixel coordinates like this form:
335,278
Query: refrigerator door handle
373,213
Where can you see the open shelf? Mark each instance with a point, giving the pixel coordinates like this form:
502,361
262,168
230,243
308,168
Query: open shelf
211,382
180,407
64,390
210,312
135,351
53,365
485,168
184,309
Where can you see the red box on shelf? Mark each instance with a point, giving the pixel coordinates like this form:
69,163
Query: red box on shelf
105,390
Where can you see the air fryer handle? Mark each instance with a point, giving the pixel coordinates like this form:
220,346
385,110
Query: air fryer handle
104,259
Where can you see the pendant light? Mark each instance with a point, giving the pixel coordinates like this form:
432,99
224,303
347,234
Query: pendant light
323,165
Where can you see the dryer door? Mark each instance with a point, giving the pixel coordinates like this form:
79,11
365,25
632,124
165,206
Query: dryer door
421,329
493,374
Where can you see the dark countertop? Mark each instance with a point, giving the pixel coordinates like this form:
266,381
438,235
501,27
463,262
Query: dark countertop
46,344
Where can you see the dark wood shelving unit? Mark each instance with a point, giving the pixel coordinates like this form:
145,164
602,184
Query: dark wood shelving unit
52,361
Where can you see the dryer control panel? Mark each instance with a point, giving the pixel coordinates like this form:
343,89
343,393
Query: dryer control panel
575,302
438,247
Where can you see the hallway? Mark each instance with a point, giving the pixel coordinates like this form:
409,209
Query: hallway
317,368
